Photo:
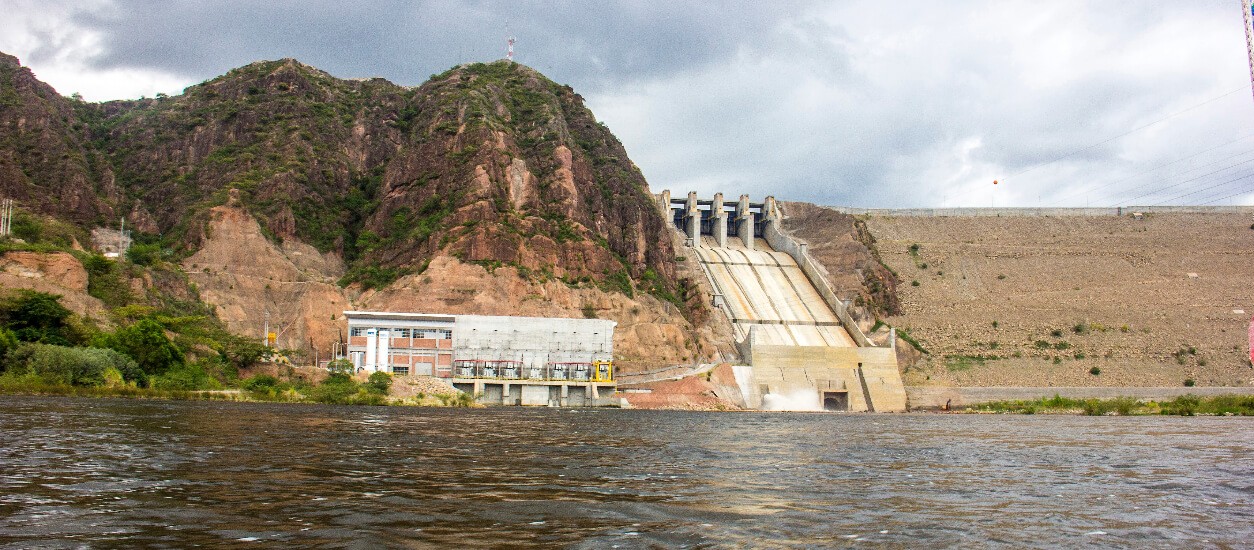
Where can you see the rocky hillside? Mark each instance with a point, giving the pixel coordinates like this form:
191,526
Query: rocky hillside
46,160
275,185
1068,301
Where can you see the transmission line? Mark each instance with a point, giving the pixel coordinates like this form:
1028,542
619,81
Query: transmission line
1129,132
1059,202
1152,193
1205,189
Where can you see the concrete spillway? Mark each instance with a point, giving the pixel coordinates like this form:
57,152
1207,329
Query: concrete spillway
805,350
766,289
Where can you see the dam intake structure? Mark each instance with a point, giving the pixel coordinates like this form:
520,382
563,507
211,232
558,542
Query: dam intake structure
805,350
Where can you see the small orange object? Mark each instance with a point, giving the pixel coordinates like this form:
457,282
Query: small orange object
994,182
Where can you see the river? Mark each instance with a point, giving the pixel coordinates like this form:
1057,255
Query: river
130,473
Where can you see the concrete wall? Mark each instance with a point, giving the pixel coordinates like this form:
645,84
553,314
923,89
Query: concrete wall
1040,212
533,340
788,369
929,397
783,242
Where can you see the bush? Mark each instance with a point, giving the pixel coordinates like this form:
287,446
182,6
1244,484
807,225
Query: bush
186,378
60,365
146,342
144,254
914,283
106,281
1189,382
379,382
342,367
38,317
1095,371
339,389
261,383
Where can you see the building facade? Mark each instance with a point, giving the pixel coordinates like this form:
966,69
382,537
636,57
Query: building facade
480,346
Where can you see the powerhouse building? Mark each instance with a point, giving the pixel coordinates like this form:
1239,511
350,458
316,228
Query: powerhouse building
508,360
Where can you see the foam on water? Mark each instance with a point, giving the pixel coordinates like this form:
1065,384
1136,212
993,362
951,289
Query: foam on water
795,401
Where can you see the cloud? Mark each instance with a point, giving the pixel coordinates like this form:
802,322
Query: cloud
856,103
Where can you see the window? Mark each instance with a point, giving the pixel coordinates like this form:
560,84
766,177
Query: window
357,331
400,333
400,370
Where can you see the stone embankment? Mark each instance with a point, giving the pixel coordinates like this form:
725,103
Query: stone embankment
1071,301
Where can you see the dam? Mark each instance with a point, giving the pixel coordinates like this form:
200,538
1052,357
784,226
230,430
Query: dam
804,350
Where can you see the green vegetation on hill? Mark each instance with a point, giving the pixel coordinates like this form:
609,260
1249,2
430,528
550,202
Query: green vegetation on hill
1185,405
469,164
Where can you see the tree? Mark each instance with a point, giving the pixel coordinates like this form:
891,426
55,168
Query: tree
38,317
341,367
145,341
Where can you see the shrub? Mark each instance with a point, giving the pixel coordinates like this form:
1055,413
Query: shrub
342,367
589,312
144,254
1056,333
38,317
1189,382
260,383
914,283
186,378
60,365
1095,371
146,342
379,382
994,324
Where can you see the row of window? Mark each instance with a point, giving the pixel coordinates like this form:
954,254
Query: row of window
436,334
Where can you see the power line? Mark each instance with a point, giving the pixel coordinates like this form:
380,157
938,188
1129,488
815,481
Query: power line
1058,202
1129,132
1241,192
1152,193
1205,189
1216,161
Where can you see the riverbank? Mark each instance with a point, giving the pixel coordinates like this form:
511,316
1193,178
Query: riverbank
9,387
1184,405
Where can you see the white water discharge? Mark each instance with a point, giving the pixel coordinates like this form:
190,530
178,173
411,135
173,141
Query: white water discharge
798,401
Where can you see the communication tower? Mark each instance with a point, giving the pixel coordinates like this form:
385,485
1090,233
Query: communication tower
509,50
1249,36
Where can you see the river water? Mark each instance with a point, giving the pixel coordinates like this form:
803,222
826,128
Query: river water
131,473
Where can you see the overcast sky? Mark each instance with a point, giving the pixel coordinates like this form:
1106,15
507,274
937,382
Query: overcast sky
871,104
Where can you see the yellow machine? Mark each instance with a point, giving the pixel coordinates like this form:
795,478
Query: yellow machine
602,371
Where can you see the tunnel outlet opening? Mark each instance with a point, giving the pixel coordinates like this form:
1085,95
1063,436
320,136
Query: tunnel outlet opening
835,401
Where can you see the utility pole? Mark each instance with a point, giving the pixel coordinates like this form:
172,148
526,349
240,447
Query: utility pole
6,217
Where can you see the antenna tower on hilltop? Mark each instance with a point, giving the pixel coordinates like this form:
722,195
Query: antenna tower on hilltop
509,50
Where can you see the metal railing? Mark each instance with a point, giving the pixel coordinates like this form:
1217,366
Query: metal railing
595,371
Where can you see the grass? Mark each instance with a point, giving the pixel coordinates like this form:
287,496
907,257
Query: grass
958,363
24,386
1184,405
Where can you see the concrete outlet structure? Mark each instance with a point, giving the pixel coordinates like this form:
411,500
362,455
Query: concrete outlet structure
501,360
805,350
